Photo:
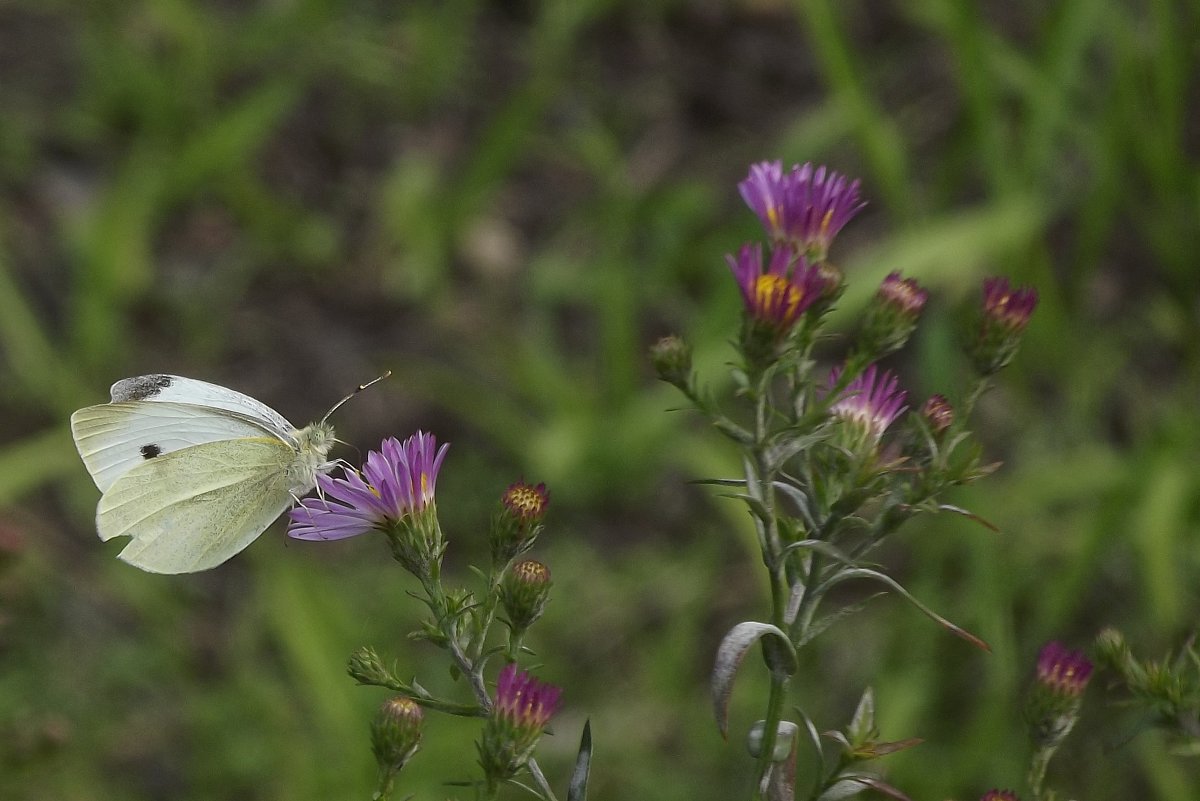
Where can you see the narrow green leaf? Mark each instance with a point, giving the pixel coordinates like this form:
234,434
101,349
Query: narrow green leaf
822,547
583,764
822,624
967,513
863,722
814,737
875,575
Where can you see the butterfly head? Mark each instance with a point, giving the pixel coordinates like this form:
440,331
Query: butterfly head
312,445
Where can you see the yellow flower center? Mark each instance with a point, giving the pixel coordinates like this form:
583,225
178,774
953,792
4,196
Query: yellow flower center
776,296
525,501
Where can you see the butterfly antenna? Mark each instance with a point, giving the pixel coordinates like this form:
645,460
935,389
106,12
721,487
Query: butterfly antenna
360,388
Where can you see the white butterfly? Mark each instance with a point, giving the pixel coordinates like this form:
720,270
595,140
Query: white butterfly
193,472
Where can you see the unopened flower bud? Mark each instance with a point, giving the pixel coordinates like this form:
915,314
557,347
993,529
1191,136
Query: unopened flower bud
1111,649
396,733
366,667
522,707
1005,314
938,414
892,315
1053,705
672,359
518,521
784,738
523,593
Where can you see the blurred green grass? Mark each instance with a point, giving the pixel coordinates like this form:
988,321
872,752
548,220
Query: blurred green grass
505,204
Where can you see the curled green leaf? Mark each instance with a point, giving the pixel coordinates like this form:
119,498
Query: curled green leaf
780,655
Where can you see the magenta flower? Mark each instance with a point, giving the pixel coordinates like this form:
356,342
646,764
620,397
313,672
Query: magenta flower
872,401
903,295
778,295
1063,671
397,481
999,795
1007,307
804,208
523,701
522,708
1005,313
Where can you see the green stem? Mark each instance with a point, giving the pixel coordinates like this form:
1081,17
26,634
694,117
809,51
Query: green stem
1037,771
486,614
772,549
515,641
973,395
387,782
449,628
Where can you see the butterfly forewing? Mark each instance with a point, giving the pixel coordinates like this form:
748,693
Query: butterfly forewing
113,438
194,508
177,389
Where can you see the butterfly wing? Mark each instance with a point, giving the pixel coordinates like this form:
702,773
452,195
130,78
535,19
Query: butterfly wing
177,389
192,509
114,438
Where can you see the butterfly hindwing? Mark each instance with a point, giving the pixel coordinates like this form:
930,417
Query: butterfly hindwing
192,509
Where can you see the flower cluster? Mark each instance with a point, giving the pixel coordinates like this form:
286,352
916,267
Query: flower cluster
819,481
394,494
802,210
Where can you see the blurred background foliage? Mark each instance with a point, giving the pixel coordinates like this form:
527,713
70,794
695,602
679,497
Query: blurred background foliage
505,203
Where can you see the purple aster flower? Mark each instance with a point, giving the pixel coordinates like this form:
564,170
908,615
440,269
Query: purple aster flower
805,207
872,401
522,707
1007,306
778,295
1052,707
523,701
1005,313
392,494
999,795
396,481
1063,671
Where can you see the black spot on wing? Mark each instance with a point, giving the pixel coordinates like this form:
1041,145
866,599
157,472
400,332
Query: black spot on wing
140,388
150,451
